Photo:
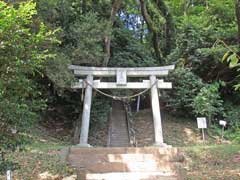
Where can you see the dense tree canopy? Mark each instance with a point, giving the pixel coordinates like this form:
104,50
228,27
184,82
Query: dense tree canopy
202,37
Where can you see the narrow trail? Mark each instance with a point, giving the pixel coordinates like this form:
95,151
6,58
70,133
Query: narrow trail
118,129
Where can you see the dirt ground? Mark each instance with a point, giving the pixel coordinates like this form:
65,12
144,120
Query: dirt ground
176,132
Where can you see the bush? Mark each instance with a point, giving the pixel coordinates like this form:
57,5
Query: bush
23,52
232,115
233,135
208,102
186,86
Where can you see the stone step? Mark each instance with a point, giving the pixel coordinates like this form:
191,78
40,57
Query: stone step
121,167
123,158
117,140
102,166
123,150
114,131
116,137
122,144
119,157
130,157
127,163
118,129
132,176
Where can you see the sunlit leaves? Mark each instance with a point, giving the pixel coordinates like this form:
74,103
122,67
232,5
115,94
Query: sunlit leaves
231,58
233,61
24,51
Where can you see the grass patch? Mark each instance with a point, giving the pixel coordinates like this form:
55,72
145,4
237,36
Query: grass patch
39,158
212,162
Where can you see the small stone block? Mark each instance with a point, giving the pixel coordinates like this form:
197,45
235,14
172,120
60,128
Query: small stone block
121,77
163,145
84,145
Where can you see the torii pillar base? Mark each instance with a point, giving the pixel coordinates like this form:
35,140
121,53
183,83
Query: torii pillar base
162,145
84,145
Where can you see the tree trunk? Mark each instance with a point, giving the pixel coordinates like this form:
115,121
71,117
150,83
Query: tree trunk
170,29
107,39
84,7
238,19
94,5
186,7
153,30
142,30
107,53
207,4
156,45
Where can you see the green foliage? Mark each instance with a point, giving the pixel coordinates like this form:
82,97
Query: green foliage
208,101
86,36
233,61
205,58
53,68
199,25
186,86
189,39
23,51
232,115
100,111
128,51
233,135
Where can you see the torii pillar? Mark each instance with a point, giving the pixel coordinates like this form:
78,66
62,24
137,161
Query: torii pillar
86,113
158,134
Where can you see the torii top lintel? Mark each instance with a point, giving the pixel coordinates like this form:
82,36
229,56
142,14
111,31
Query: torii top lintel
130,72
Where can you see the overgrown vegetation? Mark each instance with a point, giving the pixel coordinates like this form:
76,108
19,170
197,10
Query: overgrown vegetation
24,51
201,38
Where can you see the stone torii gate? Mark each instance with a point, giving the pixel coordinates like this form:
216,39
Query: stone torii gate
121,75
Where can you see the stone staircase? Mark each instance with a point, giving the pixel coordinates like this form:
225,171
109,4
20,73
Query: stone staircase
122,163
118,129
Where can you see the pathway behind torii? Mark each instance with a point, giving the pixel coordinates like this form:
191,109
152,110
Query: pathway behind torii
118,129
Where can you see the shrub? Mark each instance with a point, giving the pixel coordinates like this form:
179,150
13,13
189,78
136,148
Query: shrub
232,115
233,135
186,86
23,52
208,102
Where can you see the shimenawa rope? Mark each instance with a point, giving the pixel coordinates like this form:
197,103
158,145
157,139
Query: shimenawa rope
120,97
